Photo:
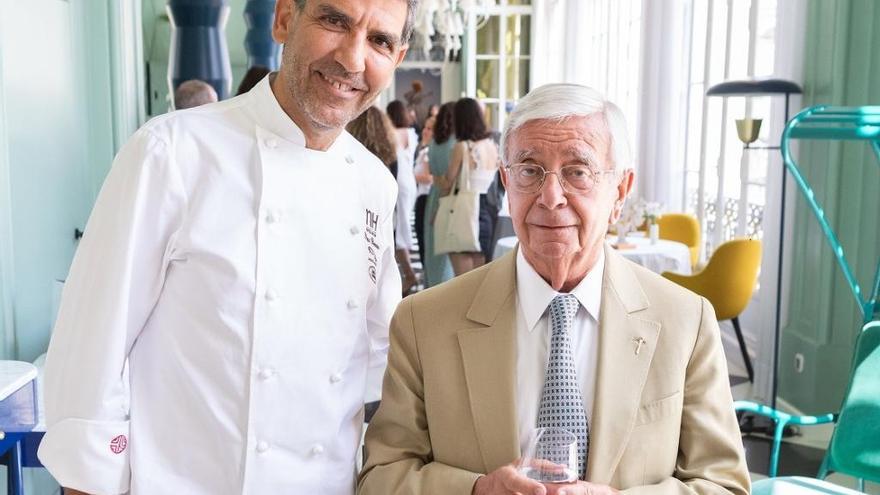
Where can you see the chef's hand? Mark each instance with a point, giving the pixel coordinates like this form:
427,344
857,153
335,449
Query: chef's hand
579,488
506,480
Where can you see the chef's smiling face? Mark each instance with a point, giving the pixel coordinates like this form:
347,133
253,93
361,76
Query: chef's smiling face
338,55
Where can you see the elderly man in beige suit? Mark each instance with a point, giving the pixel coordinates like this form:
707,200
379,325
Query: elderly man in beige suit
561,332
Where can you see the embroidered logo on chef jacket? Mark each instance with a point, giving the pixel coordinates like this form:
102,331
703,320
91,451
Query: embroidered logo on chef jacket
118,444
371,232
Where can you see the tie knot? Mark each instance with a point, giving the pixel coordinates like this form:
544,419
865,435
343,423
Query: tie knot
562,310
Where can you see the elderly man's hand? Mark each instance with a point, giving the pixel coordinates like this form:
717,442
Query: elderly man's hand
507,480
579,488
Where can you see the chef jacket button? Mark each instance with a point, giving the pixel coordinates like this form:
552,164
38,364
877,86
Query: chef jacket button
263,446
266,373
354,230
317,450
271,143
352,304
335,378
271,295
349,159
273,216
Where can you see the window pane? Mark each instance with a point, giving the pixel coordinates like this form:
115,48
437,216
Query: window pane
517,75
487,79
487,36
491,115
739,41
755,212
518,39
766,38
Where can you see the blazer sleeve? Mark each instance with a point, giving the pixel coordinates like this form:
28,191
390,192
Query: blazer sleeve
399,460
711,458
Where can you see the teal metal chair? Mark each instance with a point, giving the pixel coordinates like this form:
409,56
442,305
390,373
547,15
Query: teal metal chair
854,449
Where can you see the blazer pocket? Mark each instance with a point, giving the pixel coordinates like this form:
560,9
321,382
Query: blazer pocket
659,409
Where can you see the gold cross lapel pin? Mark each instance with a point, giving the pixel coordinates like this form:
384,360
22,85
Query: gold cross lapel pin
639,342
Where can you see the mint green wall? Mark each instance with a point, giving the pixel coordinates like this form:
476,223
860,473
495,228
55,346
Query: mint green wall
842,67
58,88
57,125
157,37
56,143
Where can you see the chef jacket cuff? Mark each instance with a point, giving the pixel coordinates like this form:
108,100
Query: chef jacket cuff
89,456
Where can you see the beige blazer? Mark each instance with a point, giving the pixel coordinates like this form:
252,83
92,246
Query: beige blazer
662,422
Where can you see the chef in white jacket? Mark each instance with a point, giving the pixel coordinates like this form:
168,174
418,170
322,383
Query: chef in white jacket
235,283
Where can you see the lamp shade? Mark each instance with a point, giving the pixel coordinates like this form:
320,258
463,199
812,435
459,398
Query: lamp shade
754,87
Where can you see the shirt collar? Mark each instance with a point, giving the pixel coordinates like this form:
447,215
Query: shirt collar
274,119
535,294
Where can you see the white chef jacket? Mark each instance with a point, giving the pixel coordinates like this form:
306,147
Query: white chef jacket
244,285
533,332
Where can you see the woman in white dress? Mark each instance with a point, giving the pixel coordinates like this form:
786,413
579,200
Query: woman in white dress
407,189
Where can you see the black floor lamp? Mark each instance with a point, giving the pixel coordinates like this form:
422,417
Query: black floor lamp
750,88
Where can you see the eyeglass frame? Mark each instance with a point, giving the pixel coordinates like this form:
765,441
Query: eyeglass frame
597,175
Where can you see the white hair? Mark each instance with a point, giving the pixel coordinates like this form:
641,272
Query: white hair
560,101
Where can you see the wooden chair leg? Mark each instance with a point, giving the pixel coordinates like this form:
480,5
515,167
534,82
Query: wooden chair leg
743,349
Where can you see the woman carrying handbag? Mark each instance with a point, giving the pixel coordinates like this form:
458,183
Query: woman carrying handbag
472,168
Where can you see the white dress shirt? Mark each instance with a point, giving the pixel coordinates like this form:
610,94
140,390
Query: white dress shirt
533,297
246,283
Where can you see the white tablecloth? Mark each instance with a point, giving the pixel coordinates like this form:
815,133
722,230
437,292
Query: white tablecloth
664,256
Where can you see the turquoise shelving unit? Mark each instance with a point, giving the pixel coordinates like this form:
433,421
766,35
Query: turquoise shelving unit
825,122
836,123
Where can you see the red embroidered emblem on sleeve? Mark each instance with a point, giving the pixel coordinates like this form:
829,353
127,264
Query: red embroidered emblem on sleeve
118,444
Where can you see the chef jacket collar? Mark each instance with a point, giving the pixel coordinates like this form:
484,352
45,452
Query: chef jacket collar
274,119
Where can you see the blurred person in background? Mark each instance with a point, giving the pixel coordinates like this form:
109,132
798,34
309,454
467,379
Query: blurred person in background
423,181
193,93
478,150
374,130
253,75
438,268
407,190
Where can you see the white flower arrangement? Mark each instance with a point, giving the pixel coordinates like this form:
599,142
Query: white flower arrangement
651,212
637,213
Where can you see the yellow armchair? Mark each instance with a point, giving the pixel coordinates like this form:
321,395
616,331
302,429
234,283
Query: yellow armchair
728,281
683,228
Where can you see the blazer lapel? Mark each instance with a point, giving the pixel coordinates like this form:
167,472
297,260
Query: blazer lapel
489,358
626,346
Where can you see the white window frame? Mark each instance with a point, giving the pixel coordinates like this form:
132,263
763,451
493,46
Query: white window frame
502,10
719,163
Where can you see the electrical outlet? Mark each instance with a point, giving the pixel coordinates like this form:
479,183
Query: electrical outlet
799,362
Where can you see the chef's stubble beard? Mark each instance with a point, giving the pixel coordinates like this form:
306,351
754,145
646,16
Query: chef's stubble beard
310,103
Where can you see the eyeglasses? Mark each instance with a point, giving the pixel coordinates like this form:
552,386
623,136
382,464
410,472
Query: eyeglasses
575,179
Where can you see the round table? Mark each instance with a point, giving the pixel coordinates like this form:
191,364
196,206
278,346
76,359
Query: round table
659,257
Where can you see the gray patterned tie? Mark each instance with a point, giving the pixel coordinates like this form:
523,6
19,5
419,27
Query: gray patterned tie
562,405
